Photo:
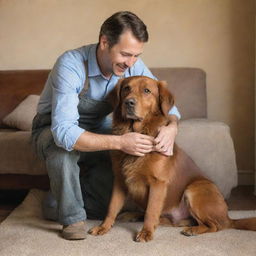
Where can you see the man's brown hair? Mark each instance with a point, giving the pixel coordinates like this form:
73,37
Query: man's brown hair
119,22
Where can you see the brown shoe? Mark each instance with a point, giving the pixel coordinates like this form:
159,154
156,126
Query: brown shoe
75,231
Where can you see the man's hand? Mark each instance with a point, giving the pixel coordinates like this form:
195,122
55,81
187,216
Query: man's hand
136,144
165,139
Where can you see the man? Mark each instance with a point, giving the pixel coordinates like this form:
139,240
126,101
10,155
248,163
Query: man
72,126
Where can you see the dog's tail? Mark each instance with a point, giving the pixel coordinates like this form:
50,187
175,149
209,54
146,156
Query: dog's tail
247,224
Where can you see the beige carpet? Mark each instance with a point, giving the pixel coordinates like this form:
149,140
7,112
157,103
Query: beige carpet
25,233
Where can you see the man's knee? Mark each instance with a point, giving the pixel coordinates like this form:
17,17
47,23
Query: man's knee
57,159
42,141
61,160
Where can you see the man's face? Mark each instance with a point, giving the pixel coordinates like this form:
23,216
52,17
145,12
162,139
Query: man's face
123,54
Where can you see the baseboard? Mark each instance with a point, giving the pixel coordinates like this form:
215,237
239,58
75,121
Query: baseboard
246,177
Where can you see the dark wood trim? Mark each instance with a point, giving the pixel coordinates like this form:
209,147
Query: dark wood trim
23,181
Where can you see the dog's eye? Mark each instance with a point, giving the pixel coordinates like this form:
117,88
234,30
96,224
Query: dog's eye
126,88
146,90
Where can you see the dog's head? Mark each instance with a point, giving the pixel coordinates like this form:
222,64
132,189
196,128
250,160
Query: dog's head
137,97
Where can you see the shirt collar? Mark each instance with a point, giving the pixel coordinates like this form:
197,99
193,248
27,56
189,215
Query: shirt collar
93,67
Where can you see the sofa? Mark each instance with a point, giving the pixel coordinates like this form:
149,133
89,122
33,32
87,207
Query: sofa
207,142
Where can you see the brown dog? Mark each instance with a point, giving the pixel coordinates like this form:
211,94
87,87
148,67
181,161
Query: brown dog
169,189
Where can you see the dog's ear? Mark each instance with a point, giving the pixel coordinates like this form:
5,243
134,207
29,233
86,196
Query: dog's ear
166,100
114,96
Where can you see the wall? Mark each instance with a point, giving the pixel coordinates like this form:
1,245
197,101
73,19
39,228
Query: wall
255,100
215,35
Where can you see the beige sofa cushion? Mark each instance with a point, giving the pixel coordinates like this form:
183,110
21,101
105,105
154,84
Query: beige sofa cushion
16,154
208,143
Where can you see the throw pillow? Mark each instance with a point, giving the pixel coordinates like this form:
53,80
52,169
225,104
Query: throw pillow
22,116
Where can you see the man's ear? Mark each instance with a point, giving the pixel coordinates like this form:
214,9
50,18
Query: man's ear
166,100
114,96
103,42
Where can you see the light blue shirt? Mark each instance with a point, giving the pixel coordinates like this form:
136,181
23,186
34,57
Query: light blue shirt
60,96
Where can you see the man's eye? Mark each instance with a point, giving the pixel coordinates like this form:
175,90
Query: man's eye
125,54
146,90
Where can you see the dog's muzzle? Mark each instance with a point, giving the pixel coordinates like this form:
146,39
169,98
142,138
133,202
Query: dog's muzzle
130,105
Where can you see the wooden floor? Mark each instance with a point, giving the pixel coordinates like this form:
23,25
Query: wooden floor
242,198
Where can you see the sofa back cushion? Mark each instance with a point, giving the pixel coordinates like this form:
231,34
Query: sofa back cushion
187,84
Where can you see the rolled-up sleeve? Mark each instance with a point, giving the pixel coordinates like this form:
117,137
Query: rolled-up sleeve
174,111
66,80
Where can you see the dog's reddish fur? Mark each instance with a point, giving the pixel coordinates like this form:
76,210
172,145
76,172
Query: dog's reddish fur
169,189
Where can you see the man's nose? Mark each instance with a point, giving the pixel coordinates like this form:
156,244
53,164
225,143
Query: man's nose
129,63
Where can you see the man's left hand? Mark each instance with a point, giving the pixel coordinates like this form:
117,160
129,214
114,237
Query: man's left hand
165,139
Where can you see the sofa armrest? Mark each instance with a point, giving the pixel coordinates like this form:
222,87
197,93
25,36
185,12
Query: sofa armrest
210,145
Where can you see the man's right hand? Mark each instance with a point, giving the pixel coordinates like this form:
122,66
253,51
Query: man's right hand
136,144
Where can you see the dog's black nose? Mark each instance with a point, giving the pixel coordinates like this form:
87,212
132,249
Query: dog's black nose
130,102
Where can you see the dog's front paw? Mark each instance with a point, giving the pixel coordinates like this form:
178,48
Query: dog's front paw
98,231
144,236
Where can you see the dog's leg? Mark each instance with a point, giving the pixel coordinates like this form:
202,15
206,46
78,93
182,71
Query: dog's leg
207,206
157,193
116,204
